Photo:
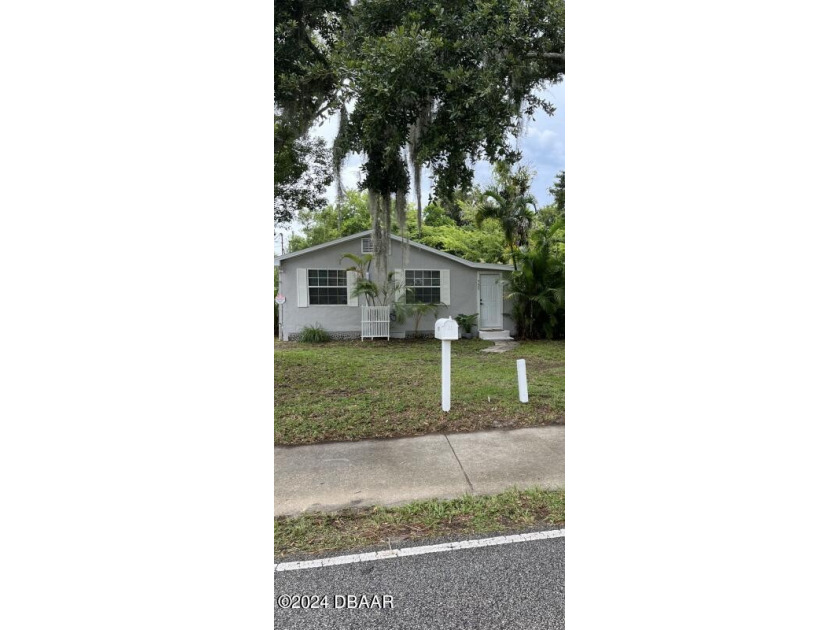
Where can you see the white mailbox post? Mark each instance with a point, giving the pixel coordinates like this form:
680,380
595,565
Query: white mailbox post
446,330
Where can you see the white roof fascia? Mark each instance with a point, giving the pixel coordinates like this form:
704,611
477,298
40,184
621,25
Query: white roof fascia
432,250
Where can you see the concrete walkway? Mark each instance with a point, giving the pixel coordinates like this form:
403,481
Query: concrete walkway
329,477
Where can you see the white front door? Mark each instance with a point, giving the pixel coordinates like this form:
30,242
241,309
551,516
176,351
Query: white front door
490,300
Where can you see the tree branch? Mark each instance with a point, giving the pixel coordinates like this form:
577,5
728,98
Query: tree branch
315,50
323,109
546,55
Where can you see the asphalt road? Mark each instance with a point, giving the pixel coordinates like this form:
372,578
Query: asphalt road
516,585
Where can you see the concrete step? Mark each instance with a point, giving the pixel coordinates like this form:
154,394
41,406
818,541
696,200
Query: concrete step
495,335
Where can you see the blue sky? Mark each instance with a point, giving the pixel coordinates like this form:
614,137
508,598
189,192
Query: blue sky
543,147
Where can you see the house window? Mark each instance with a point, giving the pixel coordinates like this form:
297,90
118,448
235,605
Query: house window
327,286
422,286
367,245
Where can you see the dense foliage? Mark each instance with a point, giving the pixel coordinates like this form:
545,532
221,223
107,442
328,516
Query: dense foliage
431,83
305,87
302,172
484,244
558,191
509,202
538,286
334,221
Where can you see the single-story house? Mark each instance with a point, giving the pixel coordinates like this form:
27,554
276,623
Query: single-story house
317,288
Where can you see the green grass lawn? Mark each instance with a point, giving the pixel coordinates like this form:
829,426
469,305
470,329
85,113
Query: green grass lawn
350,390
353,529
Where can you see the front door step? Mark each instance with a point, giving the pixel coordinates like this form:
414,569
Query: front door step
495,335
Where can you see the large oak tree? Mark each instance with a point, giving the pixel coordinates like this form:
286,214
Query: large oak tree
434,83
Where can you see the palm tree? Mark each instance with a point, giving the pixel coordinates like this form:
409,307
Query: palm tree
508,202
374,294
538,288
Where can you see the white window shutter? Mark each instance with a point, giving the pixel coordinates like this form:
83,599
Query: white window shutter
444,286
399,280
303,287
351,284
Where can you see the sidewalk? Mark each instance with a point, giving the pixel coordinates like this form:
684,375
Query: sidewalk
329,477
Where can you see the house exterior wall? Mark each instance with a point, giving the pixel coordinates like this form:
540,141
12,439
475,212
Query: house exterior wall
344,321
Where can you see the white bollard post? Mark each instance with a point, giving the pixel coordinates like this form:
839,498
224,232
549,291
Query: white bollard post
445,364
523,381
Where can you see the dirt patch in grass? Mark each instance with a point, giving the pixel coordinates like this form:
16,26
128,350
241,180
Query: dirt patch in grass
356,529
355,390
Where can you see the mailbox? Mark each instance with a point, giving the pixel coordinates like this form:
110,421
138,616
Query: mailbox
446,329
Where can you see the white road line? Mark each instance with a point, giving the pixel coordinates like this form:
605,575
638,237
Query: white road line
416,551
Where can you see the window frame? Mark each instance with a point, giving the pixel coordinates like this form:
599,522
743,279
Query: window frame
411,289
341,274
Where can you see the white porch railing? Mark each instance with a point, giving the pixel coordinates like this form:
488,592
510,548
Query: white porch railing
376,321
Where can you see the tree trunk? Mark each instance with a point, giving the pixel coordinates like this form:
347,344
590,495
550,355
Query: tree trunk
419,209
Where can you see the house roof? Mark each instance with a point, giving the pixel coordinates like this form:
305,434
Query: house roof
426,248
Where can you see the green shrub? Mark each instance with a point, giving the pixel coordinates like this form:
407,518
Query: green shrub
467,322
314,334
538,287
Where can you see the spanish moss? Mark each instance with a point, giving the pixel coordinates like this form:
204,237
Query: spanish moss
399,210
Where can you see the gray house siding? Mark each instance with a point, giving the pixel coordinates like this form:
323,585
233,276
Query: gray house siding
344,321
